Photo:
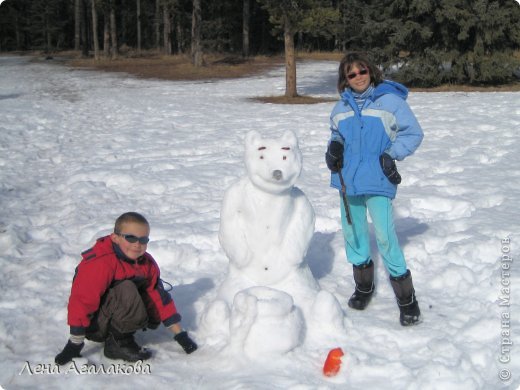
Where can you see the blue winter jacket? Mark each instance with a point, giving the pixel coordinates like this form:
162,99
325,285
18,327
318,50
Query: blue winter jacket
385,124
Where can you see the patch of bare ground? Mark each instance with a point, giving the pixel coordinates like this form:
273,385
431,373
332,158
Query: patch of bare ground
300,99
179,67
153,65
513,87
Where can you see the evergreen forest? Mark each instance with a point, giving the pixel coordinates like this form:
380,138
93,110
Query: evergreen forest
419,42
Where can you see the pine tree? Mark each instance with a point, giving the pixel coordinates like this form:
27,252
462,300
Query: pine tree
14,24
351,14
246,16
196,35
489,33
95,38
47,23
426,43
292,16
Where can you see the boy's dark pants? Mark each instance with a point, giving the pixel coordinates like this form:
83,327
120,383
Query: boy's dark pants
122,311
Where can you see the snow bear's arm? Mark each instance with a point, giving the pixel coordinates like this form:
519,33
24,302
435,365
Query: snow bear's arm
300,229
231,234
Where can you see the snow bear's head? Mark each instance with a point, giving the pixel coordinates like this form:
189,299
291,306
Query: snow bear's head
273,165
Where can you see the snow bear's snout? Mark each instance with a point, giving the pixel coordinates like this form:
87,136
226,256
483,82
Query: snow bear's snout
277,174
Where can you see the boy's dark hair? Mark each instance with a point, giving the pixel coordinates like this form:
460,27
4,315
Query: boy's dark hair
129,217
355,58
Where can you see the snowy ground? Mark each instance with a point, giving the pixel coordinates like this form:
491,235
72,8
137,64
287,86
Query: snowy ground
78,148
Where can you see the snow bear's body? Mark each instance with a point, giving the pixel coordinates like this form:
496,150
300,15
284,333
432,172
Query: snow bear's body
266,223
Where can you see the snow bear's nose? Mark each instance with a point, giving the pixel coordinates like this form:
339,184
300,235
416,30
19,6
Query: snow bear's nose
277,175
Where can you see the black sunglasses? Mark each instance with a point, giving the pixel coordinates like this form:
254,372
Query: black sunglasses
353,75
133,239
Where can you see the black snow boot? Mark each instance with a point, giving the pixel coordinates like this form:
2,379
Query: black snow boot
124,347
405,294
364,279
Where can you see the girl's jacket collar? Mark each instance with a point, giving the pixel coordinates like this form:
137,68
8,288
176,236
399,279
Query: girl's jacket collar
384,88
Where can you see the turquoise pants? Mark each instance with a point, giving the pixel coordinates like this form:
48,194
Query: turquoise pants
357,239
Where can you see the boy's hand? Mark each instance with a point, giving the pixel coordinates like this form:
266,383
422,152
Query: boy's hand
185,342
70,351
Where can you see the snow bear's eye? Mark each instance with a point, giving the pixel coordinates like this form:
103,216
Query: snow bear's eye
286,148
262,148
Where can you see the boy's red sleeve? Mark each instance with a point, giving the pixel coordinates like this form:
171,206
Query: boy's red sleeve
92,280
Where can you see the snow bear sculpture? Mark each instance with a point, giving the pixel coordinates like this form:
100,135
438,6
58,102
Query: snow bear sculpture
266,225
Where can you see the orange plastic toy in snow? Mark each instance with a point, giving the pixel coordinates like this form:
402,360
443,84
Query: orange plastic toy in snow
333,362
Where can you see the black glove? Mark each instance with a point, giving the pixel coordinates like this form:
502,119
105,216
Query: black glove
334,156
70,351
185,342
389,168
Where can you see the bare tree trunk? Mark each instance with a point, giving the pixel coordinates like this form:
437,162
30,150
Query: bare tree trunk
180,36
167,28
139,27
290,61
18,33
94,30
48,35
113,33
84,28
106,36
47,28
246,16
196,20
157,24
77,24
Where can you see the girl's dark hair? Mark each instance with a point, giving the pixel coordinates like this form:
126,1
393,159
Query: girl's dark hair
359,59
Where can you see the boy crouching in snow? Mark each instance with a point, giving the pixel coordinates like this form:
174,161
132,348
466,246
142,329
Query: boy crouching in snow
116,290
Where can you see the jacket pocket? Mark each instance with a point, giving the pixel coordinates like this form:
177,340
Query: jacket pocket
370,176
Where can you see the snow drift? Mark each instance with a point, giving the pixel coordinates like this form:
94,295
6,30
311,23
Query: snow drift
78,148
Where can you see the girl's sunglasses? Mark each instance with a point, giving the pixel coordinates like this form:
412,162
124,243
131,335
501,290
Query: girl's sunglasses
133,239
353,75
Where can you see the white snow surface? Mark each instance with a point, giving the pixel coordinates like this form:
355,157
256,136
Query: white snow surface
78,148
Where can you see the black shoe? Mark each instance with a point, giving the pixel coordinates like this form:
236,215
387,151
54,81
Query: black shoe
364,279
125,348
410,313
405,294
360,299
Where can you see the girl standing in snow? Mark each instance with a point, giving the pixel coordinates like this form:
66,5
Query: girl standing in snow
371,127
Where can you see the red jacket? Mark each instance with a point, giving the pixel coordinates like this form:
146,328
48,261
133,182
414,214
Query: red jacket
105,264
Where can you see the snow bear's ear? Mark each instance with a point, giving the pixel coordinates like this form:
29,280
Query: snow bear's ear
289,138
252,138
